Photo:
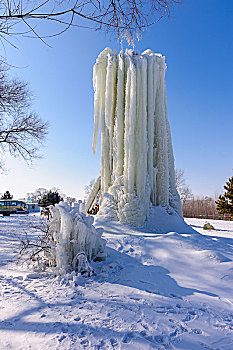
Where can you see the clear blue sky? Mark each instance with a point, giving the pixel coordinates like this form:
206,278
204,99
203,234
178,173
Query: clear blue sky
197,42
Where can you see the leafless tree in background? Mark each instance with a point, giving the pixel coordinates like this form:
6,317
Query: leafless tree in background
70,200
125,18
194,206
37,194
22,131
88,188
200,207
183,189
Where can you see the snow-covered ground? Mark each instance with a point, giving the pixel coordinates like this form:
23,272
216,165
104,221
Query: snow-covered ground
155,291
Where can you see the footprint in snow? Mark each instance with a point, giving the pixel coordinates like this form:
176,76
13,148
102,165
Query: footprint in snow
114,343
61,338
77,319
127,337
85,343
191,316
82,334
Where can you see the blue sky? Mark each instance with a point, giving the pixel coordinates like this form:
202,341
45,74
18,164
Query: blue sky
197,42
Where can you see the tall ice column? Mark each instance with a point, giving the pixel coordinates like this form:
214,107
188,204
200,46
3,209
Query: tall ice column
137,163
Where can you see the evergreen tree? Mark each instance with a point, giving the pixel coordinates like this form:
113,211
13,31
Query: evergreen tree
225,202
7,195
50,198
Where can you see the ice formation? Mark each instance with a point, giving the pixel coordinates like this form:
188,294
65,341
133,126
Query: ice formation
76,240
137,163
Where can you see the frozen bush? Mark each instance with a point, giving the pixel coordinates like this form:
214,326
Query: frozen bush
76,241
66,243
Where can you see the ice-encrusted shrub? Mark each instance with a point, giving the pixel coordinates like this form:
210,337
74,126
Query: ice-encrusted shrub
76,241
67,242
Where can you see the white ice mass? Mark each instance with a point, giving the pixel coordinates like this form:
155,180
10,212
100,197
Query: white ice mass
137,163
76,241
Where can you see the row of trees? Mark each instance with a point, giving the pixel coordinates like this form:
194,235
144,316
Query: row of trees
44,197
192,206
200,206
196,206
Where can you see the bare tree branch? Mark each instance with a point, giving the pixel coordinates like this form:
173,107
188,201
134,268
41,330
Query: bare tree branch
126,19
22,131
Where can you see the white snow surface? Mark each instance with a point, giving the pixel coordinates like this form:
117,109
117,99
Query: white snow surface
137,163
154,291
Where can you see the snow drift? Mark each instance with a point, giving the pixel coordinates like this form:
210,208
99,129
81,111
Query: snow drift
137,163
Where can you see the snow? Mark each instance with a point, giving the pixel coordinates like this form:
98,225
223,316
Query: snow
154,291
137,163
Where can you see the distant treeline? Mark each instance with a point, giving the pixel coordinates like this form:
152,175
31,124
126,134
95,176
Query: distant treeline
202,207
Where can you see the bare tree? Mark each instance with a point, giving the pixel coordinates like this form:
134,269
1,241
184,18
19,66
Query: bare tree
200,206
180,180
126,19
88,188
21,130
184,191
37,194
37,245
185,194
70,200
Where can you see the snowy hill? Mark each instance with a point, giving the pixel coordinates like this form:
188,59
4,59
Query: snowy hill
155,291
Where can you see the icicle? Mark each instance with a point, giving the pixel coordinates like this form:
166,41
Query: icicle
119,124
150,116
110,88
126,131
131,127
99,74
161,142
110,110
138,118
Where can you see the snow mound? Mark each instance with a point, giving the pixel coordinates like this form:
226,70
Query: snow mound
160,221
